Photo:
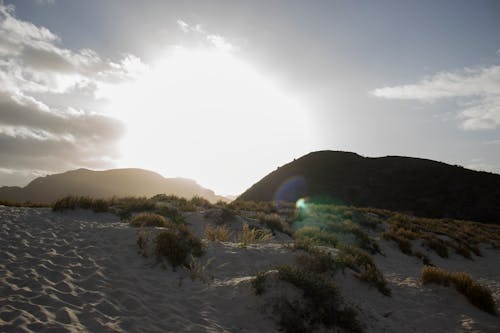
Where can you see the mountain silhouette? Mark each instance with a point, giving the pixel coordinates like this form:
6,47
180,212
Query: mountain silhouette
420,186
105,184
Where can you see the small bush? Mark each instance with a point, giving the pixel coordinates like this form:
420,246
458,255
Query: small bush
315,235
252,235
477,294
324,304
149,220
176,244
317,261
200,202
316,288
172,214
273,222
259,283
220,233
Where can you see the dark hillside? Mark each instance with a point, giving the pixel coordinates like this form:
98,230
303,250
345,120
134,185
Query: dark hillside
423,187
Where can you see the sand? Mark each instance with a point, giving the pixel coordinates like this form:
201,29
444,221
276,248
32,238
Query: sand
81,272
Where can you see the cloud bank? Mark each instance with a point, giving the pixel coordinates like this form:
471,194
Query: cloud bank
477,91
41,130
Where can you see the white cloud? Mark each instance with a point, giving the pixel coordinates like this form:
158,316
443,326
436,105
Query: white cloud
41,127
214,40
478,91
45,2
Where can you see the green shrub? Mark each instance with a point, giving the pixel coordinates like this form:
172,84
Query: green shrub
478,295
315,235
316,261
172,214
176,244
149,220
324,304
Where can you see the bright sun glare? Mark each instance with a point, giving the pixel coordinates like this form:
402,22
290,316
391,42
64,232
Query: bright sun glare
207,115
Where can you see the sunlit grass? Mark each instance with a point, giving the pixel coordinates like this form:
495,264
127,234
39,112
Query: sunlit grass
477,294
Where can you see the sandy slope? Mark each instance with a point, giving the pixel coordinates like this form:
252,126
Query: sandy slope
80,271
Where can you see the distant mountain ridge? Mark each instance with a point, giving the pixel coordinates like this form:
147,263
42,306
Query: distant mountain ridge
105,184
423,187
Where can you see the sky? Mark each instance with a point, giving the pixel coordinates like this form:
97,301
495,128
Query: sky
224,92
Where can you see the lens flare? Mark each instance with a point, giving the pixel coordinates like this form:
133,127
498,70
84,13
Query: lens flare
291,189
301,204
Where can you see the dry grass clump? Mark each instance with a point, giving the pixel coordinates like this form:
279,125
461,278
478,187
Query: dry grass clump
362,263
400,239
149,220
463,234
198,270
478,295
438,245
220,233
177,244
29,204
73,202
253,235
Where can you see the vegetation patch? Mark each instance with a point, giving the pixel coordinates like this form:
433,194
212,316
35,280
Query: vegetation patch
323,303
259,283
73,202
274,222
251,235
477,294
29,204
149,220
220,233
177,244
362,263
317,260
314,235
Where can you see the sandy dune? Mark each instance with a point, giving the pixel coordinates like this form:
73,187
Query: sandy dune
81,272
